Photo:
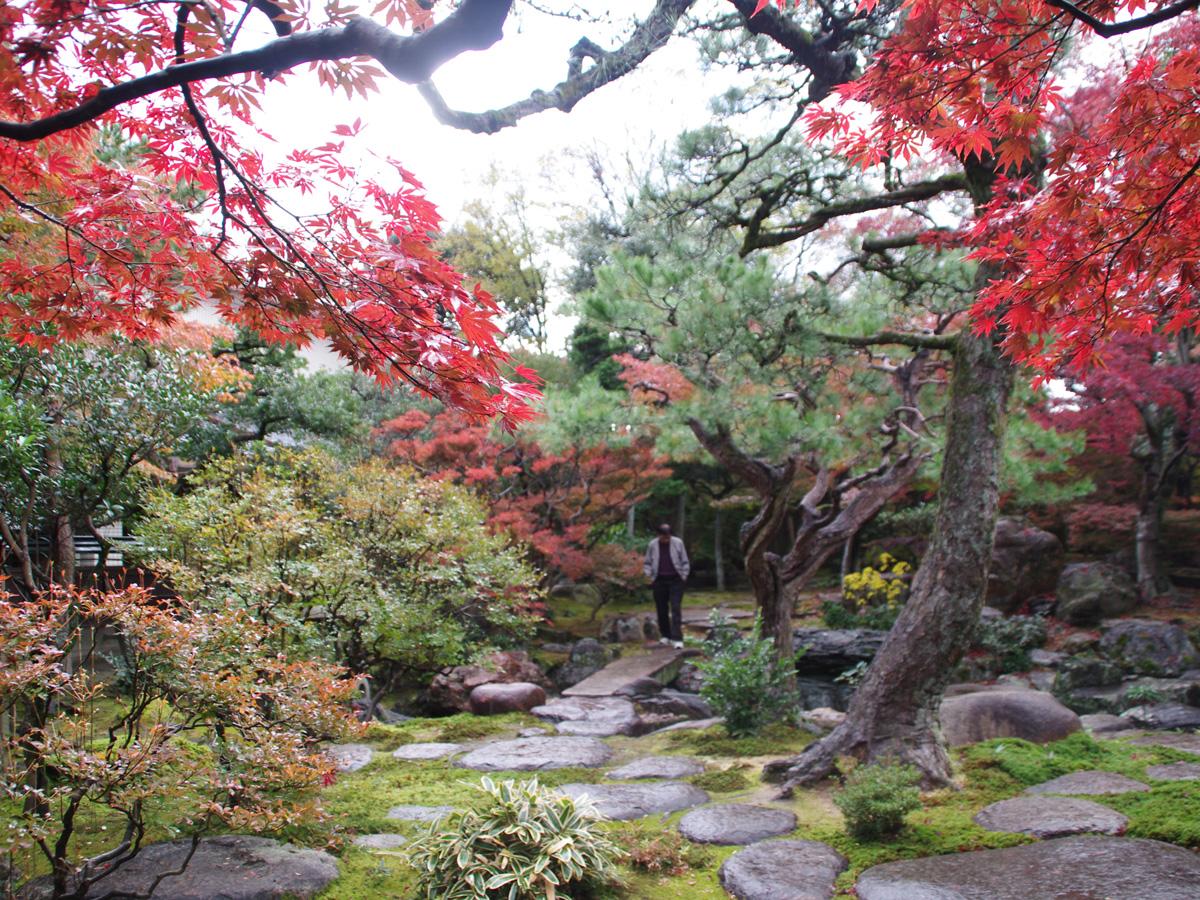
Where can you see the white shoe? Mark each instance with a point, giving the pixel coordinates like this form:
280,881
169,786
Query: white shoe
678,645
666,642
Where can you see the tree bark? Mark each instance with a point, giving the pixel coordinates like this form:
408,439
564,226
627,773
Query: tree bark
1158,457
894,713
718,552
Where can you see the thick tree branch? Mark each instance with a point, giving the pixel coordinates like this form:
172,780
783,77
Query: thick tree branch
650,34
829,68
756,239
899,241
475,25
900,338
1113,29
765,478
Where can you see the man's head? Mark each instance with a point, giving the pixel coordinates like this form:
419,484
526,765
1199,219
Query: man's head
664,532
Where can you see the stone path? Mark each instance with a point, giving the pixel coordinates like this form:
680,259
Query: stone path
380,841
1086,868
530,754
415,752
1189,743
349,757
736,823
419,813
636,801
590,716
1176,771
658,767
661,664
1094,782
1047,817
785,870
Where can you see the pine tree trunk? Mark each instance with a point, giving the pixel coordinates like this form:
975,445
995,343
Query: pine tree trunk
718,551
1152,580
894,713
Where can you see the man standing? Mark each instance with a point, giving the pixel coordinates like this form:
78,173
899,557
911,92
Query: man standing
667,567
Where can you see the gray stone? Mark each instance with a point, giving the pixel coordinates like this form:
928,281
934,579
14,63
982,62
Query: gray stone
661,663
630,629
1047,817
230,867
496,699
1089,592
534,732
736,823
1149,648
1073,868
1086,672
536,753
831,651
1092,782
1025,563
1164,716
590,716
1049,659
674,703
349,757
597,729
380,841
451,688
415,752
783,870
640,688
588,656
635,801
1104,723
689,680
1176,771
693,725
1030,715
419,813
1188,743
659,767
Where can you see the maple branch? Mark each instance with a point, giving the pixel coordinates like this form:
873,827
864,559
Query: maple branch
475,25
756,239
649,35
1113,29
900,338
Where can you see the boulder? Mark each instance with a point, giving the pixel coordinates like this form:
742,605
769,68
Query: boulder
1149,648
675,704
1089,592
1163,716
824,717
590,716
451,688
537,753
1048,817
783,870
1104,723
1086,672
736,823
689,680
636,801
587,657
1084,867
1025,563
630,629
1030,715
517,696
232,867
831,651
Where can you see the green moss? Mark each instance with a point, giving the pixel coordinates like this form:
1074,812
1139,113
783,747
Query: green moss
774,740
722,781
1028,763
366,874
452,729
1167,812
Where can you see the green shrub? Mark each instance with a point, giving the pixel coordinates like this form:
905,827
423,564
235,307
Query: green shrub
743,683
876,799
523,842
721,781
1009,640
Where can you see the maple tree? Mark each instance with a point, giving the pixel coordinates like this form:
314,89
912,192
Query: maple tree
195,213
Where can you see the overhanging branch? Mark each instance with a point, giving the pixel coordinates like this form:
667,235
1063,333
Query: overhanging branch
1114,29
899,338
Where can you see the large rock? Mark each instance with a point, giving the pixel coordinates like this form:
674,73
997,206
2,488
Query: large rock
536,753
1030,715
1149,648
1047,817
494,699
1112,868
451,688
636,801
736,823
1086,672
587,657
630,628
1164,716
658,767
590,716
783,870
1025,564
831,651
668,707
230,867
1089,592
1088,783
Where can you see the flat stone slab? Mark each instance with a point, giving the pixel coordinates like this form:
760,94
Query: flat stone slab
590,716
661,664
783,870
635,801
380,841
1189,743
1092,782
1073,868
419,813
535,753
416,752
736,823
1047,817
658,767
232,867
1176,771
349,757
693,725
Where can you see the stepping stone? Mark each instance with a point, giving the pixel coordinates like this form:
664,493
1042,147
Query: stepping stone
419,813
1088,783
661,664
232,867
536,753
414,752
659,767
784,870
1189,743
534,732
1047,817
1086,868
590,716
635,801
349,757
1176,771
380,841
693,725
736,823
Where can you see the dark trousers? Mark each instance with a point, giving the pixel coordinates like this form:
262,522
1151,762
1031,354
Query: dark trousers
668,599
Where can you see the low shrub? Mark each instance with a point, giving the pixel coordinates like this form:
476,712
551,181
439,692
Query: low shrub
722,781
661,853
523,842
743,683
876,799
871,597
